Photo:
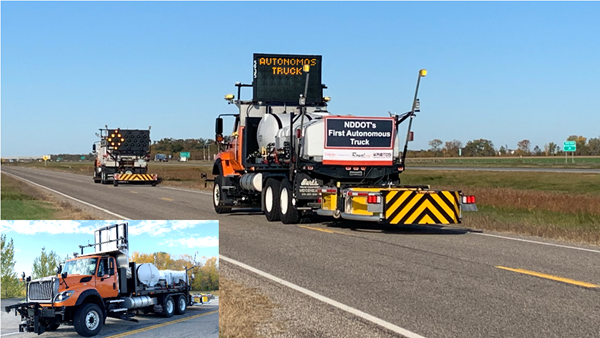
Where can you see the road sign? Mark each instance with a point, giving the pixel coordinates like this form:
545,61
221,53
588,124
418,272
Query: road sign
184,154
83,157
569,146
46,157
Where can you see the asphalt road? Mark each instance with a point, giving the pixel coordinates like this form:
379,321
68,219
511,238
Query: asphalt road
200,321
427,281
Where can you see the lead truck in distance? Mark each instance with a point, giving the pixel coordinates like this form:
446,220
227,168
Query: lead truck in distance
91,287
290,156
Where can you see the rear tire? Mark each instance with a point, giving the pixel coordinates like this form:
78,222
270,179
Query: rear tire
218,196
181,305
88,320
270,196
103,179
287,209
168,307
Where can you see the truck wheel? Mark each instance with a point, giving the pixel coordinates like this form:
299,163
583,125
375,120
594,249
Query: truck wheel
103,178
53,326
287,210
218,196
88,320
115,182
168,307
181,305
270,195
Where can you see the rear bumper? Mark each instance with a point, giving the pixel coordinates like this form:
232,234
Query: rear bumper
147,178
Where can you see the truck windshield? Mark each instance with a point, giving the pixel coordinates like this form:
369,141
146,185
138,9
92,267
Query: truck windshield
84,266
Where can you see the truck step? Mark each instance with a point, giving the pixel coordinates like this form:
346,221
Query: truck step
118,310
116,301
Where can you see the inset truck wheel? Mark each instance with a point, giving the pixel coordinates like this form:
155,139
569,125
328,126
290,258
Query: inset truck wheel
218,196
287,208
168,307
270,196
103,178
88,320
181,305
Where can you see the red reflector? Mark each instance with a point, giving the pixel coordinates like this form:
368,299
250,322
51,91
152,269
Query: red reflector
363,168
298,133
471,199
319,200
348,168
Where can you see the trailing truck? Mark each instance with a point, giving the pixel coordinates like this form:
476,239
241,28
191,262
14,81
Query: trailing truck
290,156
91,287
122,156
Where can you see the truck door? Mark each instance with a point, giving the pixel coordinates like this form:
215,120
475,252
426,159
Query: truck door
107,284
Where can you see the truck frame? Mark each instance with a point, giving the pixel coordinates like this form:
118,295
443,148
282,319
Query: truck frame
91,287
122,156
291,157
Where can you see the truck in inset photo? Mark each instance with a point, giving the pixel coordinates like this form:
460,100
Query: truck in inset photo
93,286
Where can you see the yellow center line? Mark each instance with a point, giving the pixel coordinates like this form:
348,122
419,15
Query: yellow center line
322,230
556,278
161,325
133,192
166,199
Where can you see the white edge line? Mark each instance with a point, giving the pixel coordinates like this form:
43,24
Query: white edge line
67,196
8,334
536,242
329,301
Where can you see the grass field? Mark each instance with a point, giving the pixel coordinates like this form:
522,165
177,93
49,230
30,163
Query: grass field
581,162
21,201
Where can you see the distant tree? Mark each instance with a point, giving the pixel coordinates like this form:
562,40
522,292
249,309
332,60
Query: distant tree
435,145
594,146
45,264
524,147
479,147
11,287
551,149
502,151
580,143
451,148
537,151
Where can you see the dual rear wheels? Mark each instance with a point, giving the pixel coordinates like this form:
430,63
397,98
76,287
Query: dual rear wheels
278,202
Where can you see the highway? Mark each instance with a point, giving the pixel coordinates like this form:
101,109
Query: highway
356,280
547,170
201,321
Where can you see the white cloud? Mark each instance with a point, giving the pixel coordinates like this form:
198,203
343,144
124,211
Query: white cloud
50,227
194,242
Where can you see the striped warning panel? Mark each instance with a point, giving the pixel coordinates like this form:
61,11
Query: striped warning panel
136,177
421,207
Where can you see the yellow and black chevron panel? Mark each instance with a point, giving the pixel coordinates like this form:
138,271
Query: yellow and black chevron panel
136,177
421,207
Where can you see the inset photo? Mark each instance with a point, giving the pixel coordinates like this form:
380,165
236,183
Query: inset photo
144,278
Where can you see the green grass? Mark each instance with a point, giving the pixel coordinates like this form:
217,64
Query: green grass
17,204
575,183
581,162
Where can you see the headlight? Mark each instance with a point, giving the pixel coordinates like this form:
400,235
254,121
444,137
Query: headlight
61,297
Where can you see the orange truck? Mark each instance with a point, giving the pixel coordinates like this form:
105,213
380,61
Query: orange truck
291,157
91,287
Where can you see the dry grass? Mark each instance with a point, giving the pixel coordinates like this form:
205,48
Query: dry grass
55,208
242,310
534,199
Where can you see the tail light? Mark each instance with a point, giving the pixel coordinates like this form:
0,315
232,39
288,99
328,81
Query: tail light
319,200
373,199
468,199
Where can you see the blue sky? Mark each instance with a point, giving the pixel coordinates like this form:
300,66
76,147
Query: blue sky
504,71
63,237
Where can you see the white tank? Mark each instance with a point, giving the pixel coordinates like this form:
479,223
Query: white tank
275,128
148,274
173,277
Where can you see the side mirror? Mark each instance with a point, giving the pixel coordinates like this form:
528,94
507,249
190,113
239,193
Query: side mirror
58,269
23,276
219,126
94,147
64,275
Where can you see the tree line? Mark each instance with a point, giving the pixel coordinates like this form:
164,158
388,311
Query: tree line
483,147
206,273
